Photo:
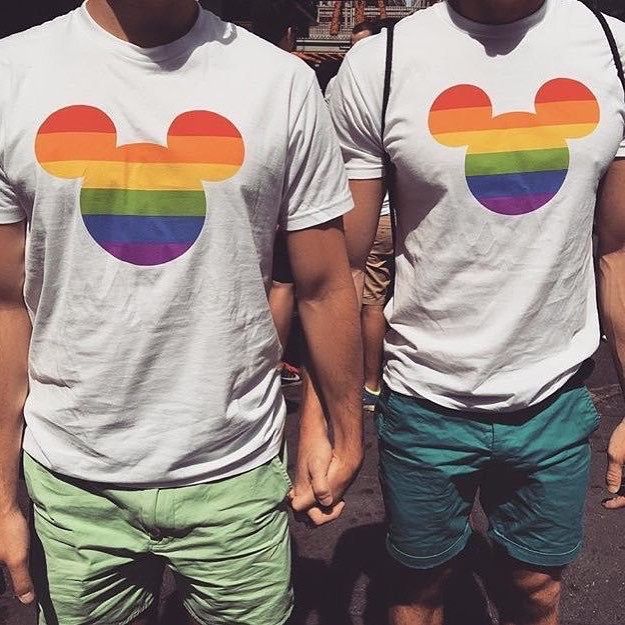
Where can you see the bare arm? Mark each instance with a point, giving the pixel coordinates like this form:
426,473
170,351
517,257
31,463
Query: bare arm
361,225
329,313
313,483
611,284
14,341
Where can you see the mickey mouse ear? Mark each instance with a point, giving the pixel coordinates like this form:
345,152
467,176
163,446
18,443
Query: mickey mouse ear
73,137
209,141
567,106
459,111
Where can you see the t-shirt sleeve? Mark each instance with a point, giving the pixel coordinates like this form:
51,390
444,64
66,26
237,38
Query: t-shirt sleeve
618,30
10,209
358,124
316,188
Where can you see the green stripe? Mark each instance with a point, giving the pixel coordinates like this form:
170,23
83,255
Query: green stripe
143,203
517,162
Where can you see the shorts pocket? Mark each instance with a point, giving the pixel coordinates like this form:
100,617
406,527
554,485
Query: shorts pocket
284,474
588,413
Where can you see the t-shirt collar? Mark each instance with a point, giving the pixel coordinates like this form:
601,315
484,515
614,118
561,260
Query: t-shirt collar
477,29
157,54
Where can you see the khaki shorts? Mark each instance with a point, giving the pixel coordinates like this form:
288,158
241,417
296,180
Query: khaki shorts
100,551
379,266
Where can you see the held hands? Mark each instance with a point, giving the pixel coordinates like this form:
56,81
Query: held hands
14,545
323,475
614,474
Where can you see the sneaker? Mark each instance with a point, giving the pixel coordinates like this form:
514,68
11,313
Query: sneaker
369,399
289,374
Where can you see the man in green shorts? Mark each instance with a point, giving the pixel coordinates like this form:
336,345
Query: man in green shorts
148,151
493,145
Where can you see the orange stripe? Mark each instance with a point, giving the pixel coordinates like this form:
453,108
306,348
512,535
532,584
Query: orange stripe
86,146
547,114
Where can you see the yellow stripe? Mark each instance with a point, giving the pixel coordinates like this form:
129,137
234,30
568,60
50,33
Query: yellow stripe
142,176
515,139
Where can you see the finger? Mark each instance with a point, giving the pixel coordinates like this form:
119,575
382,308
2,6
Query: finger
22,584
320,483
615,503
614,474
303,499
322,516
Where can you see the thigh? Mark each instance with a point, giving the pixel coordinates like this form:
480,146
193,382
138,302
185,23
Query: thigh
89,564
282,271
430,460
379,265
232,560
535,498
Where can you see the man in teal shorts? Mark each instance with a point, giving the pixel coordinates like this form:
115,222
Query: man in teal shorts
148,152
492,146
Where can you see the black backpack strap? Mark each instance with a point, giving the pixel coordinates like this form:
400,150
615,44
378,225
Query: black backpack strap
610,37
389,166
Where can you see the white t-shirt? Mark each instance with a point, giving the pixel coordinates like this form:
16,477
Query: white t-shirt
385,209
500,135
152,181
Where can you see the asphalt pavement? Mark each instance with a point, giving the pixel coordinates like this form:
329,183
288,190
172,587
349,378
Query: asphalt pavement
339,569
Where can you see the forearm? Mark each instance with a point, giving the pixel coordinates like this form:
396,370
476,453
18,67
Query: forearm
612,305
332,330
15,331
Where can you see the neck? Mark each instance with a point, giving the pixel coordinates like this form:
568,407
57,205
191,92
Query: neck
496,11
145,23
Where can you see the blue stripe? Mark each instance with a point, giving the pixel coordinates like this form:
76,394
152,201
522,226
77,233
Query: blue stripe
514,185
132,229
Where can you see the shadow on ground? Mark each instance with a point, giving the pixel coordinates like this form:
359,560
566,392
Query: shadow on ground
325,590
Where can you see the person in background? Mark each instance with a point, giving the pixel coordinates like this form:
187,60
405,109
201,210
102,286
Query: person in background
139,381
497,162
275,21
379,268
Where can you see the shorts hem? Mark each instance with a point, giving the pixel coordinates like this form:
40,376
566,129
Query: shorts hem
535,558
430,562
193,614
373,301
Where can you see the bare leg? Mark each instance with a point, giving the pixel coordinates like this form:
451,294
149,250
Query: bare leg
373,331
528,595
282,303
417,597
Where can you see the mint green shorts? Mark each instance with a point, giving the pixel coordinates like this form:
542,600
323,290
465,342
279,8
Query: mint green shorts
99,551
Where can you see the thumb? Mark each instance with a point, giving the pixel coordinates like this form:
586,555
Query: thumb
22,583
320,483
614,474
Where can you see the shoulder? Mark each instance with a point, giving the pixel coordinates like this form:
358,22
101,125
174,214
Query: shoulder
618,29
252,55
24,50
28,45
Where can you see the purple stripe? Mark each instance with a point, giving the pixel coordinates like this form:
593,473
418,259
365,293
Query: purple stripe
516,205
146,254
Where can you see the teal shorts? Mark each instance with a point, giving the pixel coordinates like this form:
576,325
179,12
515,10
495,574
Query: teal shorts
100,551
531,468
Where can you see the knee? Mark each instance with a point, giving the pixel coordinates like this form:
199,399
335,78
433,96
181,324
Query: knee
425,588
537,596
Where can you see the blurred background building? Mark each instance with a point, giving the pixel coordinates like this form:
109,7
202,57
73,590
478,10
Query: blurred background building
324,24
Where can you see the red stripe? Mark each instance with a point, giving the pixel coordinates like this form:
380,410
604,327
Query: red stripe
202,124
563,90
461,96
78,118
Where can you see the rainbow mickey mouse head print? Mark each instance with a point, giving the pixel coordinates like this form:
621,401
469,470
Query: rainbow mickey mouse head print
143,203
515,162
